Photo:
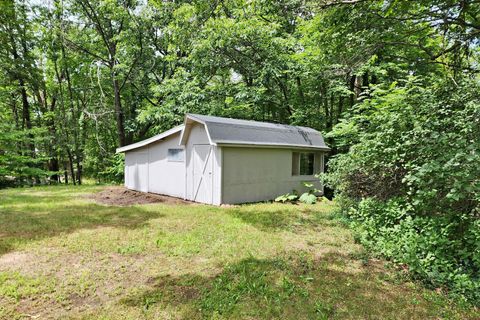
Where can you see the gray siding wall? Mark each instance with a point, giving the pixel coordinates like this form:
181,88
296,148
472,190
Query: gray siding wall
258,174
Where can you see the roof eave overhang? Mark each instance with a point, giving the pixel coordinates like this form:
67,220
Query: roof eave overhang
146,142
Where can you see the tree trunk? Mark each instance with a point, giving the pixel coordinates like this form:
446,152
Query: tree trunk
300,91
54,166
365,81
70,163
65,172
15,112
358,86
118,111
79,171
325,106
74,123
352,90
26,122
331,112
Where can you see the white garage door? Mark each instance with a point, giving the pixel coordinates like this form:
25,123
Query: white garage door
202,173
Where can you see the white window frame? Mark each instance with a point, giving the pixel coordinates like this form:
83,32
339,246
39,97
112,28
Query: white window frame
317,163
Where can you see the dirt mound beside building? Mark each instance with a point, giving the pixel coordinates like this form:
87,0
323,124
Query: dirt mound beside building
120,196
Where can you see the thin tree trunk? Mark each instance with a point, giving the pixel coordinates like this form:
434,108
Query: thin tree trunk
331,112
74,123
26,121
352,90
53,163
365,81
285,97
300,91
65,172
358,86
79,171
70,163
15,111
325,106
118,111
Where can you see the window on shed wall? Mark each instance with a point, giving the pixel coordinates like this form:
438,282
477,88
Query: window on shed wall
177,155
318,163
295,163
306,163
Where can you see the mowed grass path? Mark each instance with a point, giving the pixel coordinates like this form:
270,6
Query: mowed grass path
64,256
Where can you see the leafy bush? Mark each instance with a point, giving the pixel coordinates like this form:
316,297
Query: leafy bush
442,250
309,197
288,197
412,173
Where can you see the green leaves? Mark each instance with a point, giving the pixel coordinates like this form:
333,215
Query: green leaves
441,251
410,179
286,198
281,61
308,198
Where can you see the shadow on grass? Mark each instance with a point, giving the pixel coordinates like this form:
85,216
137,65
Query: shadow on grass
293,218
35,195
25,218
293,287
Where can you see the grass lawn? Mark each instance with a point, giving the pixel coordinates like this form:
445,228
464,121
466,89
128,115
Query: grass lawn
64,256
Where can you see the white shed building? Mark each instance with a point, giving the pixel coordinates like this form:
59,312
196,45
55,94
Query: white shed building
225,161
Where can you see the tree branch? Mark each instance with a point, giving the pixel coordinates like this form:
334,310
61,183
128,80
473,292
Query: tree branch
76,46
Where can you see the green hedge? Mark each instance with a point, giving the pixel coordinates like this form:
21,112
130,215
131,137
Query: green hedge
441,251
410,179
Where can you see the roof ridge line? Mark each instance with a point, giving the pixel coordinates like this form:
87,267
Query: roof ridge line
264,128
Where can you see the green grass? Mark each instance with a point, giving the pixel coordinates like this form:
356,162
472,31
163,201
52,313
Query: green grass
64,256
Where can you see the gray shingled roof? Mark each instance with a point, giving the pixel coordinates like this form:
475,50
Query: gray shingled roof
245,132
227,131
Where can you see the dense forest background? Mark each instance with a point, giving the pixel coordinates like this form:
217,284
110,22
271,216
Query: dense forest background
393,84
79,78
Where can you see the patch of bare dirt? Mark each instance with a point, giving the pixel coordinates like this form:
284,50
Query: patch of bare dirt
120,196
14,259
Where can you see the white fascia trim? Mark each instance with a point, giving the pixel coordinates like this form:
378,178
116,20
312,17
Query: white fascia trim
148,141
208,135
189,116
193,118
269,145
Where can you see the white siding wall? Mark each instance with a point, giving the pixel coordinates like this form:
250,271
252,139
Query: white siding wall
258,174
198,136
129,169
166,177
148,169
136,170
